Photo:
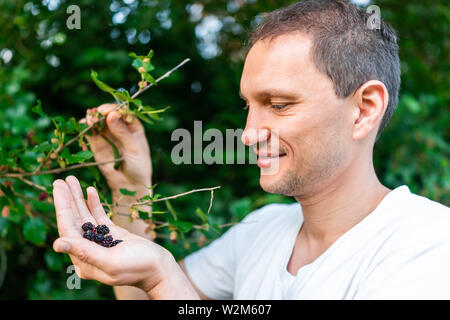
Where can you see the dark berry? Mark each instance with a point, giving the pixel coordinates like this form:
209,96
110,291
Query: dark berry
88,234
108,238
102,229
43,196
98,237
105,244
115,242
87,226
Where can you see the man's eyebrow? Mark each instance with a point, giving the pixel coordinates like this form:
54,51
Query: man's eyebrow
279,93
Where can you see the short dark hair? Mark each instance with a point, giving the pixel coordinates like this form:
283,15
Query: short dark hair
344,47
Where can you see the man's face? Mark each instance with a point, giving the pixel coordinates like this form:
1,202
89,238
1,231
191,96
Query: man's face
287,94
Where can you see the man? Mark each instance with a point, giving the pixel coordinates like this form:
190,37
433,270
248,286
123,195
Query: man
323,84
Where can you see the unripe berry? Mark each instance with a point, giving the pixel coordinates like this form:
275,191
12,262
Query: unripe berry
54,140
53,155
187,246
40,159
173,236
146,60
5,212
129,118
141,70
142,84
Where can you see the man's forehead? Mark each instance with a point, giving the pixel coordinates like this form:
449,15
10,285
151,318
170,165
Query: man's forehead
284,60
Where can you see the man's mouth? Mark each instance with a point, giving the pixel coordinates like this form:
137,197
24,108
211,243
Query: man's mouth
267,160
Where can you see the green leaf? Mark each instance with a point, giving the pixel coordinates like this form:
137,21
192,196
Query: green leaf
142,116
45,146
35,230
150,54
144,215
103,86
149,78
76,125
38,109
123,95
126,192
133,55
137,63
80,156
183,226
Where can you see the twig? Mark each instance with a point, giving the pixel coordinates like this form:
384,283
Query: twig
30,183
211,200
165,75
58,170
175,196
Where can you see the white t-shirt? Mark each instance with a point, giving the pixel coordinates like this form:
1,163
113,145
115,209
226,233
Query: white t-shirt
401,250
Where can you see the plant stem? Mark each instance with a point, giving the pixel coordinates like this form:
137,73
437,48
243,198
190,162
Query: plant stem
174,196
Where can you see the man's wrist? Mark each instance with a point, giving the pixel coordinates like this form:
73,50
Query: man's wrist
173,284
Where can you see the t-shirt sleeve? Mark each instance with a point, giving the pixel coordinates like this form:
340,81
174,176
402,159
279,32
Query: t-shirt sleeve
212,268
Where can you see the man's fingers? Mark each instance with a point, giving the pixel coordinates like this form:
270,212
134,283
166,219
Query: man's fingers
96,207
65,215
80,202
106,108
121,131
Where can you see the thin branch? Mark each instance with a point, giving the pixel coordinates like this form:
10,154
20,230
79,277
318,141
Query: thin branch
32,184
165,75
58,170
174,196
211,200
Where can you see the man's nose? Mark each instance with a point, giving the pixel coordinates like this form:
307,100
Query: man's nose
255,131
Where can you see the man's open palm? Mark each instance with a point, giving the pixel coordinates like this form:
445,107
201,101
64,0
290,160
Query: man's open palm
135,261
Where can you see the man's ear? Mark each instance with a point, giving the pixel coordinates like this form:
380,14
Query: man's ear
371,103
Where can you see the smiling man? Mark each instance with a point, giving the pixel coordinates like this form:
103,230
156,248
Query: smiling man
320,86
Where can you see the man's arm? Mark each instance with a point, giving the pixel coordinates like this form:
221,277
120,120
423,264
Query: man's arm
200,294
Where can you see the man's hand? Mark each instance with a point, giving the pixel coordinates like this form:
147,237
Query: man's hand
135,261
136,168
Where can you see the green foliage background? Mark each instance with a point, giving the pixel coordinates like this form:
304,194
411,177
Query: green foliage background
51,63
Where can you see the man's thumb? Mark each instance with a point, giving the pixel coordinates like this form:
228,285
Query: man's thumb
61,245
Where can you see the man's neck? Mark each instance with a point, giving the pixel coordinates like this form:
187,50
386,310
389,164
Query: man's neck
338,207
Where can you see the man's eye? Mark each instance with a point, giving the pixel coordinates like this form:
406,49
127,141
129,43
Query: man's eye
278,106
